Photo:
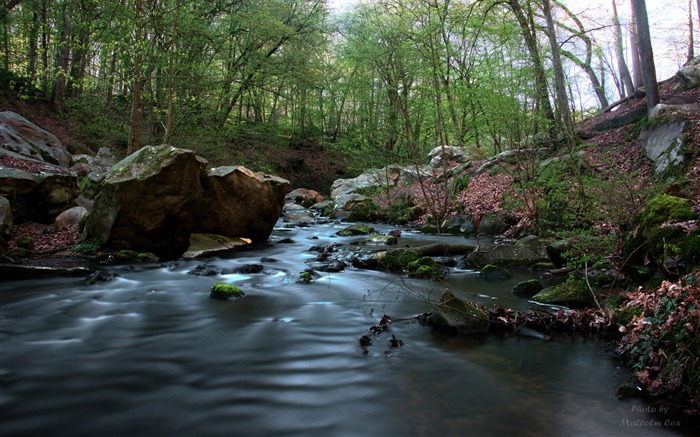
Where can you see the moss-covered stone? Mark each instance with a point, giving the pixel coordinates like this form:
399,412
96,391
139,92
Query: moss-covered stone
398,259
306,277
224,291
382,239
527,288
25,242
623,316
663,208
454,314
573,293
425,268
356,229
490,271
655,236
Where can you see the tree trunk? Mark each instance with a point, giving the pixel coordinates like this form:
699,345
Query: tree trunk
625,76
62,61
646,54
541,92
634,48
691,41
559,79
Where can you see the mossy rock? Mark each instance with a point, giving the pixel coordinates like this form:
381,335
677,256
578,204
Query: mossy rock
424,268
126,255
490,271
25,243
664,245
527,288
356,229
224,291
456,315
388,240
306,277
573,293
398,259
664,207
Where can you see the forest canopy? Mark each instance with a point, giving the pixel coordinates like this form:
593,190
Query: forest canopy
387,79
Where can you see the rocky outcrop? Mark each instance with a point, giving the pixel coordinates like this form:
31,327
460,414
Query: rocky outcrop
71,217
662,144
154,199
21,136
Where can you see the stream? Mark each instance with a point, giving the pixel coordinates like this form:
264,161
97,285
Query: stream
149,353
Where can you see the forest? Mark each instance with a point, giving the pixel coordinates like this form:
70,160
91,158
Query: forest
389,79
314,93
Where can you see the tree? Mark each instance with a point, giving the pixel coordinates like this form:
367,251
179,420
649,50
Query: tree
559,79
625,77
646,55
526,21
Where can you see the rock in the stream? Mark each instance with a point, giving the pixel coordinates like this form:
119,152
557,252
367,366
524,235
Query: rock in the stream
526,252
454,314
527,288
489,271
573,294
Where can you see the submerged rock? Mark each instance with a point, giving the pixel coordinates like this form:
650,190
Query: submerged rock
490,271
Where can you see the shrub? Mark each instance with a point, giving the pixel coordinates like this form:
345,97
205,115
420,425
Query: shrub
661,341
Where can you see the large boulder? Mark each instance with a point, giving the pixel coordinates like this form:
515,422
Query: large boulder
444,154
24,137
242,203
149,202
526,252
37,190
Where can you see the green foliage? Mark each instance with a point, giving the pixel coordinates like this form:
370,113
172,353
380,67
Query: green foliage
223,291
88,247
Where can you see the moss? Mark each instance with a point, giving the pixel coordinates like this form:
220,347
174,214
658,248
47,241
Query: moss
623,316
147,257
425,267
573,293
356,229
305,277
490,271
527,288
382,239
663,208
399,259
25,243
224,291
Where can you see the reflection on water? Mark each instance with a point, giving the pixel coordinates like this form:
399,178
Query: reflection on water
151,354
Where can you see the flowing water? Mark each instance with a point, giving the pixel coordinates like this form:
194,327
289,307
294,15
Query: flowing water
150,353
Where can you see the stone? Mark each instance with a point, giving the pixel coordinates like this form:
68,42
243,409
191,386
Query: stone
662,144
356,229
454,314
37,196
489,271
149,202
573,294
440,154
304,197
527,288
241,203
223,291
556,251
24,137
71,217
207,245
526,252
299,218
